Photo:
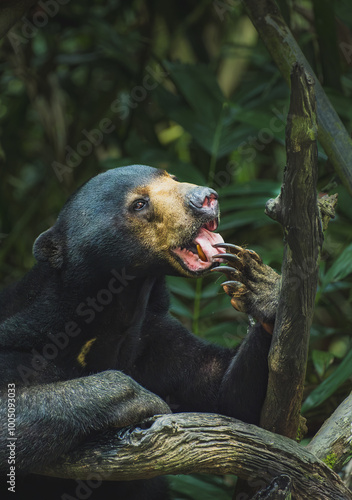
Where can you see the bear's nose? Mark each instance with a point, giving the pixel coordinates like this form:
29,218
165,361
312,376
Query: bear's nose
203,199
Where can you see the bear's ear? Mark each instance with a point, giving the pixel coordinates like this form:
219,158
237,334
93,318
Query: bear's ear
48,247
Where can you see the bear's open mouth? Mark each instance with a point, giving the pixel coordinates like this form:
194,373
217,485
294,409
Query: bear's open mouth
197,255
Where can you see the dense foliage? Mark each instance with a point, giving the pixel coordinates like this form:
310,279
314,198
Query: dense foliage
189,87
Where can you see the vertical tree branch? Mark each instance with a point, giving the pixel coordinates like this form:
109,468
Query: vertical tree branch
332,443
285,51
296,209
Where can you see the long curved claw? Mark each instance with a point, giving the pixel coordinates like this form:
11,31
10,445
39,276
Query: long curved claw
237,249
255,256
227,256
231,246
224,269
232,283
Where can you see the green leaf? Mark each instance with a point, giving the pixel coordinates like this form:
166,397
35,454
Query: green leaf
262,121
343,11
178,307
341,268
255,187
229,333
231,204
198,86
321,361
218,304
322,331
185,172
159,159
202,128
181,286
198,488
200,109
255,216
212,290
330,385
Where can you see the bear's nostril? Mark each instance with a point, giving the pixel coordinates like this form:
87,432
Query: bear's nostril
203,198
210,201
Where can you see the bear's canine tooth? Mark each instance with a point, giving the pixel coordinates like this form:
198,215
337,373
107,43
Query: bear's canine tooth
201,254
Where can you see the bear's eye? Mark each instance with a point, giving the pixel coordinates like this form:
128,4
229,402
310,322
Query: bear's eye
139,205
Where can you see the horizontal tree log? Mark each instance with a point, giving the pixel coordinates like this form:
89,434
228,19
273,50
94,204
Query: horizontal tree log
186,443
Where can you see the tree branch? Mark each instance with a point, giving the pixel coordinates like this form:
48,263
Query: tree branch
333,442
185,443
297,210
332,135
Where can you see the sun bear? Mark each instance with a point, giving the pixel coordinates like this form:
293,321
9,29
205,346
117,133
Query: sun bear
86,337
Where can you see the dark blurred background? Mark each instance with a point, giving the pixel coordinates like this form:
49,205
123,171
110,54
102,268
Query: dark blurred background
187,86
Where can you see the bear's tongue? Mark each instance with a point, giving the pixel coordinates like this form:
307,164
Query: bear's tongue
205,241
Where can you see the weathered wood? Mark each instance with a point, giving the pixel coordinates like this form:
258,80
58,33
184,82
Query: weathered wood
327,205
280,488
185,443
333,443
332,135
296,209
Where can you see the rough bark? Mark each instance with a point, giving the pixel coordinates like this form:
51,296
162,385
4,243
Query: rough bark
297,210
333,443
185,443
280,488
285,51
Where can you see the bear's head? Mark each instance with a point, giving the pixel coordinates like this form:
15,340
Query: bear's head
138,217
